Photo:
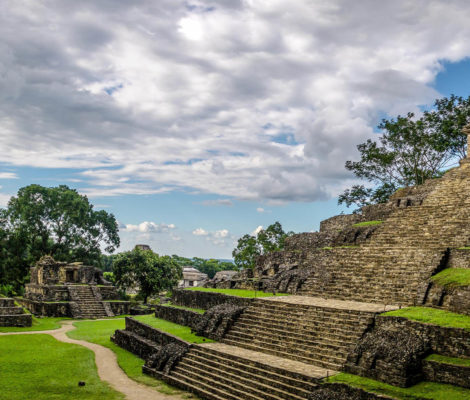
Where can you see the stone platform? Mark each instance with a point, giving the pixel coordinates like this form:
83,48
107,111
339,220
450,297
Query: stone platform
11,315
331,303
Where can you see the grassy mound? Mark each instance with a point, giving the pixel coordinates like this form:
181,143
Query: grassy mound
433,316
41,368
367,223
237,292
465,362
453,277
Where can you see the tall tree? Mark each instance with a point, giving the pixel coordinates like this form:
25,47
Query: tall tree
409,151
57,221
145,270
250,247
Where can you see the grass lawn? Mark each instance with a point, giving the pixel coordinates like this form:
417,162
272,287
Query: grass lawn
449,360
427,390
453,277
367,223
237,292
198,310
39,324
183,332
40,367
433,316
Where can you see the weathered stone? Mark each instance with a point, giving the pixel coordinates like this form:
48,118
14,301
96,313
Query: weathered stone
216,321
205,300
338,391
178,315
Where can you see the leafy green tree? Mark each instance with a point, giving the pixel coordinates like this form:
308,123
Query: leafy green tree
57,221
147,271
208,266
409,151
250,247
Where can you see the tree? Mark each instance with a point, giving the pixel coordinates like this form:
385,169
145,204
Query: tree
208,266
409,151
145,270
250,247
56,221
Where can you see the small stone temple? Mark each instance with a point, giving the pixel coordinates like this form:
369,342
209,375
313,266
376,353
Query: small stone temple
75,290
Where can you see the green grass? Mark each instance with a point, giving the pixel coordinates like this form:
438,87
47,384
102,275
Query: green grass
99,332
237,292
198,310
453,277
40,367
39,324
183,332
433,316
449,360
367,223
427,390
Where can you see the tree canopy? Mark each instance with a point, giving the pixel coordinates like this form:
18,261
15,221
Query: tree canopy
146,271
409,151
207,266
56,221
250,247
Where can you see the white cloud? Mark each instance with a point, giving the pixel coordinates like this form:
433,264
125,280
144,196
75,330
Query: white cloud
261,210
257,230
200,232
8,175
165,96
148,227
4,199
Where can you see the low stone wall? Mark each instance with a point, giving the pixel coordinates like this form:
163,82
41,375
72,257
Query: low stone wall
108,292
206,300
11,310
49,309
339,391
143,340
119,307
179,316
447,373
7,302
16,320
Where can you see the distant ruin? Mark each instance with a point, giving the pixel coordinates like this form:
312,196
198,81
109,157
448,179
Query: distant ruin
75,290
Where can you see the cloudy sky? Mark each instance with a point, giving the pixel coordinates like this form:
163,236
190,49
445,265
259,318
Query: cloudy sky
195,122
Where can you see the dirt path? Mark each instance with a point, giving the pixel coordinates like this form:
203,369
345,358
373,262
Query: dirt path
106,363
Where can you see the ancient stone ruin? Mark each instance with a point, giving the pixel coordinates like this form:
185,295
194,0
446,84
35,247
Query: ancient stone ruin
60,289
342,280
12,315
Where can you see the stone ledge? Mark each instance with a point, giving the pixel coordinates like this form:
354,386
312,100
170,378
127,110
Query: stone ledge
206,300
20,320
452,374
179,316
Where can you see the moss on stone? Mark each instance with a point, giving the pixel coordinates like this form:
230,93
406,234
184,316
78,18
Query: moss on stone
449,360
367,223
453,277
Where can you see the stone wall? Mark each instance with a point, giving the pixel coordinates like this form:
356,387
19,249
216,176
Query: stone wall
47,292
47,309
142,339
20,320
458,375
338,391
339,222
206,300
455,299
108,292
179,316
395,349
119,307
459,258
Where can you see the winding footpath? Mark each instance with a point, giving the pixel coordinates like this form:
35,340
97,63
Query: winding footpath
106,363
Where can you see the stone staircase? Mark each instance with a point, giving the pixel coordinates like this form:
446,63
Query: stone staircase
216,371
86,303
394,267
310,334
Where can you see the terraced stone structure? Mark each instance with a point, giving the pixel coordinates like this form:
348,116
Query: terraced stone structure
341,278
12,315
75,290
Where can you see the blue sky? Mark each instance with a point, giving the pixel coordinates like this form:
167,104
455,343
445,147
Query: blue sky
196,122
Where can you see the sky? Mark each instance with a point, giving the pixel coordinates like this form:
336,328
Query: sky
196,122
